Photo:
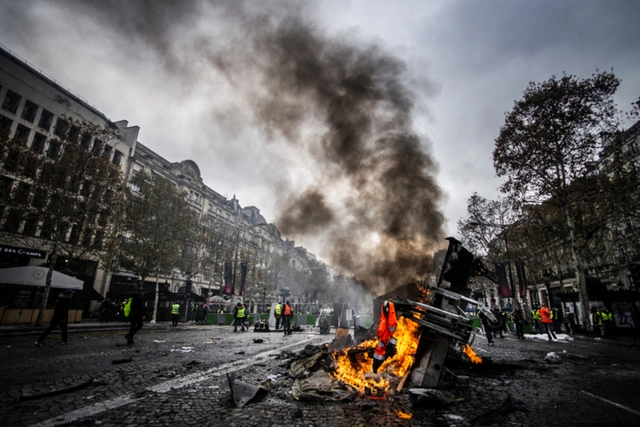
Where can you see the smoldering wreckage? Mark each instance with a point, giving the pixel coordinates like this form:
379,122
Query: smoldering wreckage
404,352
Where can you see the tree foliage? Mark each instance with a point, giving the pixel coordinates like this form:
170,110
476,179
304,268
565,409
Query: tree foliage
157,225
65,192
554,133
547,145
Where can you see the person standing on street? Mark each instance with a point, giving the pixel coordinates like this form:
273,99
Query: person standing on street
105,310
547,323
518,320
277,312
597,322
136,316
205,312
486,327
175,313
608,322
60,317
238,315
287,314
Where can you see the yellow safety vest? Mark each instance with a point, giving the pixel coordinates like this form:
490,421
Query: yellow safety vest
278,309
240,312
175,309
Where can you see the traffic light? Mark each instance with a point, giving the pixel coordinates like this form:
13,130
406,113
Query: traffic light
188,286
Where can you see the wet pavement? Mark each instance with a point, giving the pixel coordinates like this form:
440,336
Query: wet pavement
178,376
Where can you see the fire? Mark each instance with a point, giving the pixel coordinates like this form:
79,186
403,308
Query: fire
403,415
351,364
466,349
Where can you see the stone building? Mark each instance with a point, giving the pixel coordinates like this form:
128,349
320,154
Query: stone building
37,110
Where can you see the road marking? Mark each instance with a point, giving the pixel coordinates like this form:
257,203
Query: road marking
166,386
633,411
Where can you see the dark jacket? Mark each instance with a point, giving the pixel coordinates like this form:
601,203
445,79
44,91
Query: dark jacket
137,308
61,309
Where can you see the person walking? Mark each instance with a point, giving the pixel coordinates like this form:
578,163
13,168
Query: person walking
518,319
60,317
486,327
287,314
277,312
547,323
205,312
136,316
238,316
175,313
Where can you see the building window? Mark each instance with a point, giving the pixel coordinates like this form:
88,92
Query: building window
74,134
97,147
5,126
54,149
22,133
6,184
46,118
38,143
29,111
86,140
13,221
11,101
30,227
633,148
47,230
117,158
61,127
107,150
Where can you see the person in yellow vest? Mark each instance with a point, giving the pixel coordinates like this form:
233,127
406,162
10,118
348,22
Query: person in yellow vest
535,317
607,322
597,321
175,313
238,314
277,311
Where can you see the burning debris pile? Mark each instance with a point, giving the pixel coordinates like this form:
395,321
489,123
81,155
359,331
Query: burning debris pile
414,339
421,334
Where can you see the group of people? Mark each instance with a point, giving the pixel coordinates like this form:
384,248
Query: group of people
603,322
545,320
133,309
282,313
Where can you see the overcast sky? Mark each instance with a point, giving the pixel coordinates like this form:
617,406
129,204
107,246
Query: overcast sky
214,82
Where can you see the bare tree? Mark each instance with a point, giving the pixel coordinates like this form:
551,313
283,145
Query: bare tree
549,140
60,194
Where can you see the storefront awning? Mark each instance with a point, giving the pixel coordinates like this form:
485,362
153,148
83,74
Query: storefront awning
37,276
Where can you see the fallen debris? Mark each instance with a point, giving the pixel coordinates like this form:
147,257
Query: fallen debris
241,392
119,361
552,357
27,396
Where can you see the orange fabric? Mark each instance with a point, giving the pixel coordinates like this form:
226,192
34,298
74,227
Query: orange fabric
287,310
387,324
545,314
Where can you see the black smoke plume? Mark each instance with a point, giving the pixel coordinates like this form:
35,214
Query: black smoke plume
371,198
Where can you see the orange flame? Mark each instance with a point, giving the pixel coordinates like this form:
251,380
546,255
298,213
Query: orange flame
351,369
403,415
466,349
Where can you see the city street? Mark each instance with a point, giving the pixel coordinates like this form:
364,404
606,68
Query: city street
179,377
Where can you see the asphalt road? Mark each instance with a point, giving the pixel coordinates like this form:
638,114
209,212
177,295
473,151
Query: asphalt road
178,377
